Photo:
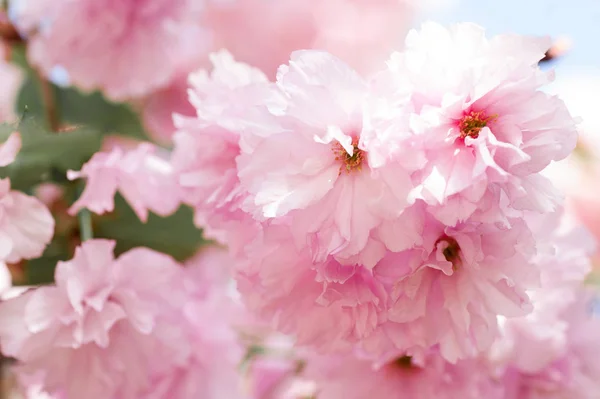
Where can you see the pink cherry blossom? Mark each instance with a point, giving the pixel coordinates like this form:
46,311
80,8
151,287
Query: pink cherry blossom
483,122
113,46
450,290
98,332
143,178
10,148
318,171
26,225
346,377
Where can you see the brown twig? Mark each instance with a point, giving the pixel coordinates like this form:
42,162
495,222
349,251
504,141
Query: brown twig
559,48
50,108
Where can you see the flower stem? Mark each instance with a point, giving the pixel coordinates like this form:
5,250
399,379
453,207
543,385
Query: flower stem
85,225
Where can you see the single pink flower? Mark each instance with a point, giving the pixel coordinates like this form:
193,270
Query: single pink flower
483,122
143,178
113,46
323,171
450,290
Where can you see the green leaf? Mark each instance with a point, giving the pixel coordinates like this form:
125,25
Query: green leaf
175,235
46,156
77,108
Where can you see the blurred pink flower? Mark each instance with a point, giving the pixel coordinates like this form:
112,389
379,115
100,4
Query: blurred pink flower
115,45
431,378
143,178
158,109
26,225
10,148
554,352
361,32
131,327
577,176
95,334
49,193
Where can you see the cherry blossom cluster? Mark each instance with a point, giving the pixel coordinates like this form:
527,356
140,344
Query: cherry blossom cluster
381,229
390,214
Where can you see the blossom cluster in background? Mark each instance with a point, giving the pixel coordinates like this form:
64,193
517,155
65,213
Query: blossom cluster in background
250,199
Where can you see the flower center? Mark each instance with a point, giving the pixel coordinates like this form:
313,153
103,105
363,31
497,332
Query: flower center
451,252
349,162
472,123
404,362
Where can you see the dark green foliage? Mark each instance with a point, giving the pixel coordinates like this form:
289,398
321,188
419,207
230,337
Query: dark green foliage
175,235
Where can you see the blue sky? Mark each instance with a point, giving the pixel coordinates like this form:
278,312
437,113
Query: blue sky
577,19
